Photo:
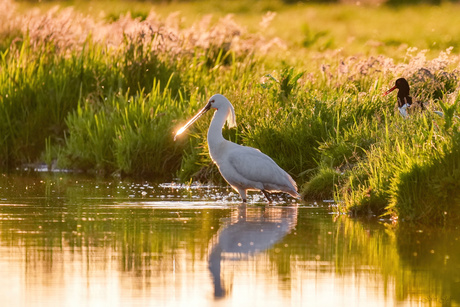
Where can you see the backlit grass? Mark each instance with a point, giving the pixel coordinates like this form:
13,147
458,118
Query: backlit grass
104,92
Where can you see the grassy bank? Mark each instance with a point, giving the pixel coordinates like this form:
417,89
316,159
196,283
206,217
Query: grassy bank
105,93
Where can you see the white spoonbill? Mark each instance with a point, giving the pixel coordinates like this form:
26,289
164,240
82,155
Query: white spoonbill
244,168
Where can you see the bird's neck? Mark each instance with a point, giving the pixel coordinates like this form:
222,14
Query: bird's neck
215,137
403,92
404,98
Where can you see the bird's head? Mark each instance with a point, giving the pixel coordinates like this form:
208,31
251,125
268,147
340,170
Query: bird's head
402,85
218,102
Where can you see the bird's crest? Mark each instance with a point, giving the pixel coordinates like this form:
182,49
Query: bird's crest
231,118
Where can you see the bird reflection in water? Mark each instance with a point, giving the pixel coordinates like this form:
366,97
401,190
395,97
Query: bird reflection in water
250,231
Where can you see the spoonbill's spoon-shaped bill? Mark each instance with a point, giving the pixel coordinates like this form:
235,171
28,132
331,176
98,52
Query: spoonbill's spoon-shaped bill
194,118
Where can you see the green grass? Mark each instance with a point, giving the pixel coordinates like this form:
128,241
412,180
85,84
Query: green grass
131,135
104,93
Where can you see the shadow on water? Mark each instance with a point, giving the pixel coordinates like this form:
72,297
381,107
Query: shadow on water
74,241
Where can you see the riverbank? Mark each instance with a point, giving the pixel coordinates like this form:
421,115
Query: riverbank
105,94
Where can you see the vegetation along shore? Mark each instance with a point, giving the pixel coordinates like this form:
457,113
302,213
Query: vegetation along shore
104,91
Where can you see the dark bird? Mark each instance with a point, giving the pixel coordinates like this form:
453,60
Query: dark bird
404,99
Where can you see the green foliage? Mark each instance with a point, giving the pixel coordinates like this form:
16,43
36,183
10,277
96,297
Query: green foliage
322,185
37,92
312,38
449,113
131,135
414,171
427,191
109,102
142,65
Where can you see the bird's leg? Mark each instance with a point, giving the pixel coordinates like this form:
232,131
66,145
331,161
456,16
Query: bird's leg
242,193
267,195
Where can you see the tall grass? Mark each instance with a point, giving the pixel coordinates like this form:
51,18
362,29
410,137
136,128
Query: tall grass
105,96
37,92
129,134
411,174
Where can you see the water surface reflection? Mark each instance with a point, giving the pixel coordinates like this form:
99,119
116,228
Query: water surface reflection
76,241
252,230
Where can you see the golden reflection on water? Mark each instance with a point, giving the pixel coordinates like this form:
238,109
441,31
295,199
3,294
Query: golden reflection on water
250,231
82,248
76,271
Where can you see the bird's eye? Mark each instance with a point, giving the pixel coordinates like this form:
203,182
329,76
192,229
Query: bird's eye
212,101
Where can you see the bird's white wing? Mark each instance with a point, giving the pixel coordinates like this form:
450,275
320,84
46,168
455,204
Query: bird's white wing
256,166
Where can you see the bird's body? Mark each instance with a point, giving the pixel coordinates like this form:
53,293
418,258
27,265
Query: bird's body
244,168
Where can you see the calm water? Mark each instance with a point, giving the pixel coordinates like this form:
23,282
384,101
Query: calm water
66,240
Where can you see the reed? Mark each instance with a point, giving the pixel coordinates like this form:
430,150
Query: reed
105,95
